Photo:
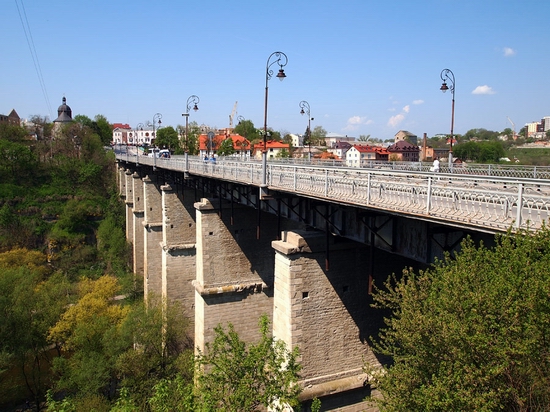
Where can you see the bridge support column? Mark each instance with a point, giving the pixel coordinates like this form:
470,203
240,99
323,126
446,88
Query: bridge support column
233,273
121,181
325,313
178,249
138,226
152,238
129,205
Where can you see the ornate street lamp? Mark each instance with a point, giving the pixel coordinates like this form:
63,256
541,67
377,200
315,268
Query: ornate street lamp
192,103
280,59
305,110
156,120
448,75
139,128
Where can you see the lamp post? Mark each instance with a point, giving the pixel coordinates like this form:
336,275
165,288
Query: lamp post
192,102
280,59
448,75
156,119
304,106
139,128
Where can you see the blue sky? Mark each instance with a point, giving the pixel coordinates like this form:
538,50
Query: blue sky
365,67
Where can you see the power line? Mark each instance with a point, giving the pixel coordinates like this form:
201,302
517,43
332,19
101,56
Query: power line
34,55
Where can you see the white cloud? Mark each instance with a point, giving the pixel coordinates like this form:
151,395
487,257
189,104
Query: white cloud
355,121
508,51
396,120
483,90
419,101
407,109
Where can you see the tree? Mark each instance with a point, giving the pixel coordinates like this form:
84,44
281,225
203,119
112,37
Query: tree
364,138
482,152
226,147
318,136
31,301
235,377
246,129
470,333
167,138
86,334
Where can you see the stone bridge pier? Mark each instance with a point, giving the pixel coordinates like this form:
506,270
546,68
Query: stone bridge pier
205,254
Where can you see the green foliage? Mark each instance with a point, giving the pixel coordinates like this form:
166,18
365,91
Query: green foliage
480,134
162,349
12,133
167,138
247,129
18,164
471,333
226,148
30,303
232,376
480,152
318,136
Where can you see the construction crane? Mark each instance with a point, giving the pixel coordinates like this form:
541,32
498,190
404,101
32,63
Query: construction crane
232,115
513,128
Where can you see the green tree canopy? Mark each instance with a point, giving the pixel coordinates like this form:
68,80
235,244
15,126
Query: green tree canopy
246,129
481,152
235,377
471,333
167,138
226,148
318,136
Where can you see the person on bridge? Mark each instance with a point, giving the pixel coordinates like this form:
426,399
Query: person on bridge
435,167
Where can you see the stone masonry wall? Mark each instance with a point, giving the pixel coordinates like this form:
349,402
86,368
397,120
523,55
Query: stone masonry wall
325,313
235,271
138,226
178,249
152,252
129,206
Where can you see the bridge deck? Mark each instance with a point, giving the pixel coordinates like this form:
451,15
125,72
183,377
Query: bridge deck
490,203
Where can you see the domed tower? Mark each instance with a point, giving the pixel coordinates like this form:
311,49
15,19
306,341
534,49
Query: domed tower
64,113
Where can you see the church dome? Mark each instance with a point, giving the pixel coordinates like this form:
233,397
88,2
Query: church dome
64,113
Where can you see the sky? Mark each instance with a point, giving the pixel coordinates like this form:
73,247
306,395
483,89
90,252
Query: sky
365,67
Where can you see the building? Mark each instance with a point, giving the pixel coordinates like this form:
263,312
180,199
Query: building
358,155
332,138
12,118
404,151
339,149
210,144
124,134
274,149
64,116
407,136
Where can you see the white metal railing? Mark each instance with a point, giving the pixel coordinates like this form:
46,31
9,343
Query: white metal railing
487,202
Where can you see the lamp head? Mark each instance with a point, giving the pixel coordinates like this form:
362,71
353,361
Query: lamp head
302,111
444,87
281,75
195,107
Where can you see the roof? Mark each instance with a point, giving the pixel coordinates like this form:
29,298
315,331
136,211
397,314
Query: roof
239,142
121,126
370,149
271,144
341,145
403,146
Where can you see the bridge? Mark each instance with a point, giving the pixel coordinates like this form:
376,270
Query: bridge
303,243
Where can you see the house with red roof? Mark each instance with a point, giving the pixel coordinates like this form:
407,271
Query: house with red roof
357,155
404,151
209,146
274,149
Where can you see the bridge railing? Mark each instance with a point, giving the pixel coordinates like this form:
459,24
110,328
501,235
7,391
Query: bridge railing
492,203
